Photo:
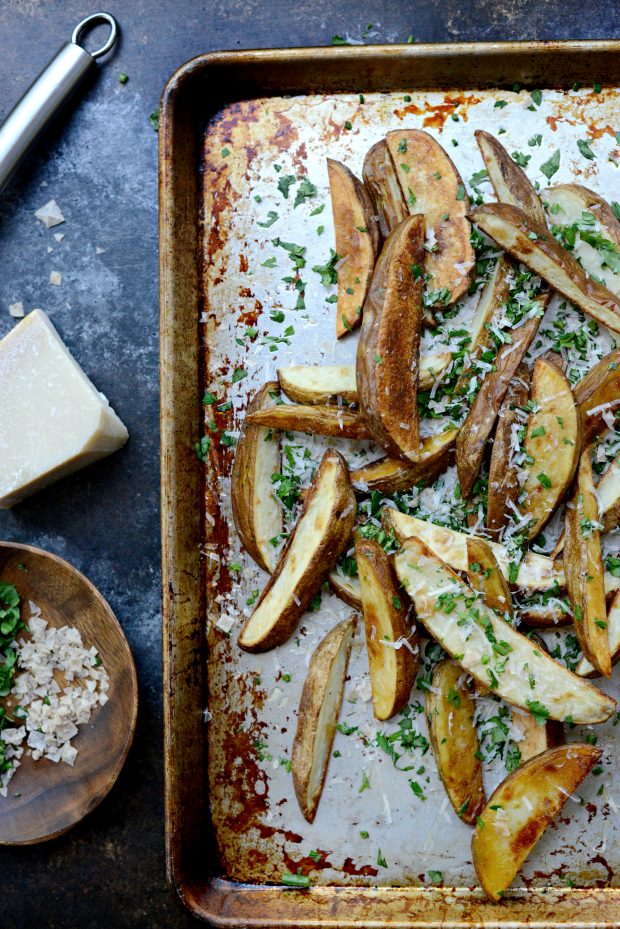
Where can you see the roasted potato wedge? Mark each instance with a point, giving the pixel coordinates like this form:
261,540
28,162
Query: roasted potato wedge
485,576
536,572
538,735
567,204
583,565
608,490
392,474
598,395
379,173
388,350
510,182
357,243
257,513
321,534
450,711
584,668
520,810
534,245
393,645
489,648
478,426
321,699
347,588
540,616
310,384
552,444
432,186
320,420
503,488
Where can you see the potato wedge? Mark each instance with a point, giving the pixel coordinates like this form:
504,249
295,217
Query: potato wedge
357,243
321,699
597,245
552,444
257,513
321,534
347,588
608,490
510,182
489,648
598,395
379,173
309,384
393,645
537,735
584,668
450,711
319,420
485,576
478,426
432,186
392,474
583,564
388,350
520,810
539,616
536,572
534,245
503,488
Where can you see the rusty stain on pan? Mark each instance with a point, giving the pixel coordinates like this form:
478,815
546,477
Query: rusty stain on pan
199,669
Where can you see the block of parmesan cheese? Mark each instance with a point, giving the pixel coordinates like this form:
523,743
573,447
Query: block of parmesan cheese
53,420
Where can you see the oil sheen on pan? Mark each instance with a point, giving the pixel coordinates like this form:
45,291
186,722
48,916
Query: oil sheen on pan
268,303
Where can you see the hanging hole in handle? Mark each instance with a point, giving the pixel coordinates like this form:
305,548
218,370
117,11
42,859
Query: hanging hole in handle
93,20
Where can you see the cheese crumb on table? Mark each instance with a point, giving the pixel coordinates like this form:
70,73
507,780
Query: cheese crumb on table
55,278
50,214
53,420
16,310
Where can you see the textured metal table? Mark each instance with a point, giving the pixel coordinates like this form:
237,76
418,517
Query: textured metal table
100,165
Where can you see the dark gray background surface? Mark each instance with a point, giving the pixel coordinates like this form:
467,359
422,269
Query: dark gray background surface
100,164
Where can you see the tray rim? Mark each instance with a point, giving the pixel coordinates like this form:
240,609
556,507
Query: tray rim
220,901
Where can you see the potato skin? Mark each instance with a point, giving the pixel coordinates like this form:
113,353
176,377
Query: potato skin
337,525
381,593
244,476
389,346
312,697
503,480
510,182
381,180
393,474
600,386
339,422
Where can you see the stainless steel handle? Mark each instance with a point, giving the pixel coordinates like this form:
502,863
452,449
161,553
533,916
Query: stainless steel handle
48,93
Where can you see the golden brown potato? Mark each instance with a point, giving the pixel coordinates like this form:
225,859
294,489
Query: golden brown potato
380,177
510,182
552,444
432,186
320,704
504,485
393,645
388,350
450,711
478,426
566,205
357,243
541,616
520,810
534,245
583,565
538,734
319,420
490,649
608,490
598,395
485,576
535,572
257,513
347,588
309,384
392,474
584,668
321,534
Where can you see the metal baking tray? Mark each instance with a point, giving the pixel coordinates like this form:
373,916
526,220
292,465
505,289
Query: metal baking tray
230,122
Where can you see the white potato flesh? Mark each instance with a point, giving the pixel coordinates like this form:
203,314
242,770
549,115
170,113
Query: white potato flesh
490,649
584,668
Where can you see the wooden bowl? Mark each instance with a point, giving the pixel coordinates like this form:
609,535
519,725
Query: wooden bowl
44,798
